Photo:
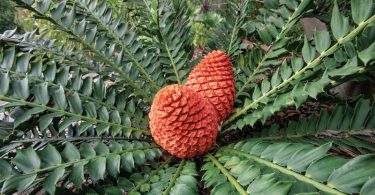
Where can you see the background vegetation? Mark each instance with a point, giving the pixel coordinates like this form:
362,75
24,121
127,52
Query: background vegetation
77,78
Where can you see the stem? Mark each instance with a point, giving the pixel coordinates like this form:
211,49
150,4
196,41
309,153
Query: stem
67,164
286,171
154,172
309,65
121,43
231,179
174,177
232,36
85,118
172,61
242,8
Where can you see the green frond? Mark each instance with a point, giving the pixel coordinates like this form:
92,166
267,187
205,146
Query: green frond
32,43
347,126
272,30
226,33
150,176
150,179
52,164
169,28
55,93
165,179
54,54
102,15
92,33
216,176
278,89
343,118
283,168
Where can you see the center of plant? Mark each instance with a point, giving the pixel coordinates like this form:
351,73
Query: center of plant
184,120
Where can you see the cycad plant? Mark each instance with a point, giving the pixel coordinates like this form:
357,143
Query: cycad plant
74,108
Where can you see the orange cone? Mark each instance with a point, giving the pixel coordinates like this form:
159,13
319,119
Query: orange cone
183,122
213,78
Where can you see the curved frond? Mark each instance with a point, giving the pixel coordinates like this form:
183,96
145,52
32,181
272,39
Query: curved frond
272,30
102,15
287,85
169,28
77,82
92,33
350,128
60,94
